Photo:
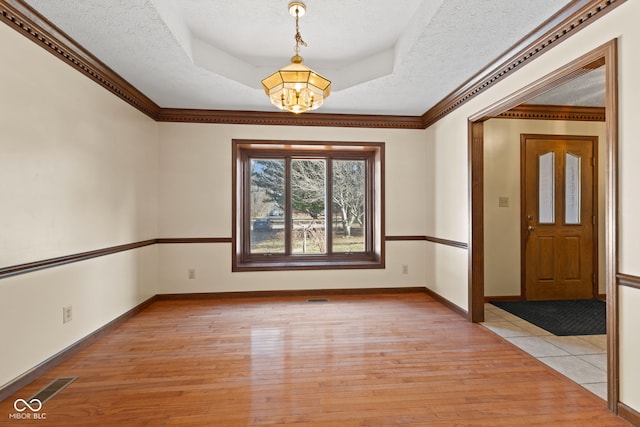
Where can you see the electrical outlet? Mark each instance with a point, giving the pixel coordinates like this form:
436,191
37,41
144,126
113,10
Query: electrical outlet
192,273
67,314
405,269
503,202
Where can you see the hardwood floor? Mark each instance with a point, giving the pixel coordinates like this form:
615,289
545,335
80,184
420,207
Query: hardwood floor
357,360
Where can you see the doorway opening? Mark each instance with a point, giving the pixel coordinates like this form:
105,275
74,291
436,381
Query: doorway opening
604,55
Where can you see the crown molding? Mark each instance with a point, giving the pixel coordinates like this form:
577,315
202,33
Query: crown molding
575,16
555,112
288,119
22,18
568,21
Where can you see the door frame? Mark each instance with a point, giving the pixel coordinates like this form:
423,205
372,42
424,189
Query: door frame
603,55
595,208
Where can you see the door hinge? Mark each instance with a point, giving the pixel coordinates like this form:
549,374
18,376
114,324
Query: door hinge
593,279
594,219
593,161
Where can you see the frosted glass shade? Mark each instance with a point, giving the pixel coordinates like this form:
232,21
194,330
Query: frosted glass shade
296,87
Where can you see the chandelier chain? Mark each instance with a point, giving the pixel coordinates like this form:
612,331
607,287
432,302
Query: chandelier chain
298,37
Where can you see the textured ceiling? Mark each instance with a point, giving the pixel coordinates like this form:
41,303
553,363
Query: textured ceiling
383,57
588,90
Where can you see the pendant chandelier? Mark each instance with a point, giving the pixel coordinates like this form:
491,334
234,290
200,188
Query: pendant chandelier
296,87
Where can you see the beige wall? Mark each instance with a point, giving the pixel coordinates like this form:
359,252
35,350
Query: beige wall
195,201
447,210
78,172
451,132
629,316
624,25
502,179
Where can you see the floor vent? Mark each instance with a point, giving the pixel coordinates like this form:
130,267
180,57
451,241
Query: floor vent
53,388
318,300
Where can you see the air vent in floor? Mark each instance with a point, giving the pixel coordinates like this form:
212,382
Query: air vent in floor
318,300
53,388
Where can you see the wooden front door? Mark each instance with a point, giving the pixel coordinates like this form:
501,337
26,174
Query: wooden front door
559,223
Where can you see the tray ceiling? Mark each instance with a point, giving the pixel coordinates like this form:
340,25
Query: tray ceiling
386,58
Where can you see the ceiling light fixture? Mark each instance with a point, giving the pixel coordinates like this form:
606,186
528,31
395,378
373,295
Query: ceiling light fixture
296,87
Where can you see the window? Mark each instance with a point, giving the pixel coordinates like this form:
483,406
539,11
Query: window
307,205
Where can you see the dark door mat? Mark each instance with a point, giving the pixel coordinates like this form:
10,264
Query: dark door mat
567,317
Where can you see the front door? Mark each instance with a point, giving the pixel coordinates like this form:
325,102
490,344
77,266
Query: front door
558,221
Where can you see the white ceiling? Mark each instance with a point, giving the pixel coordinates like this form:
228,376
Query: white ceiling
587,90
384,57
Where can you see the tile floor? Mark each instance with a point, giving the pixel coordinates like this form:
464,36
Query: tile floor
582,359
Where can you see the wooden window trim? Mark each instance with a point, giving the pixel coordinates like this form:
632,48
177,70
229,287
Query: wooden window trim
373,257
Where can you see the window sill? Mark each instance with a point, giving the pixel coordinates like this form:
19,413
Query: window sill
307,264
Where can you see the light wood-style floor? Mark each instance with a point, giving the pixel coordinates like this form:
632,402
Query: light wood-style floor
357,360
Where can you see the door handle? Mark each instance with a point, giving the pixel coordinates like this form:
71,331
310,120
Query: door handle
531,228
